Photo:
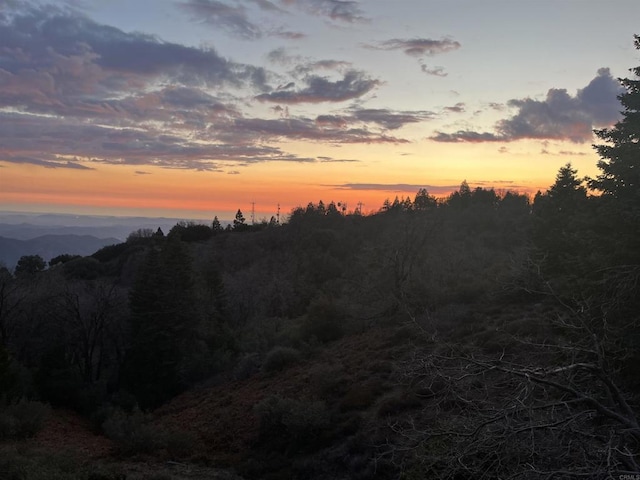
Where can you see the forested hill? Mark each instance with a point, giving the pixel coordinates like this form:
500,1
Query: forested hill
480,285
482,335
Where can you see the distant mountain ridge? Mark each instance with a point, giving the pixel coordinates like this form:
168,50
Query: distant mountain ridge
49,246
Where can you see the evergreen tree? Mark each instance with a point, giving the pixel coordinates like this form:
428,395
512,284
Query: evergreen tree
163,322
568,191
620,156
239,224
216,226
424,201
619,180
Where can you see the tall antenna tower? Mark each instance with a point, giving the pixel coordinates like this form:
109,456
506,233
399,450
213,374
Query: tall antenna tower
253,213
278,220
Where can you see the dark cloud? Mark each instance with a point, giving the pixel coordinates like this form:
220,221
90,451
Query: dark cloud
329,131
418,47
54,51
73,88
381,117
435,71
564,117
560,116
339,10
141,172
319,89
230,18
27,138
459,107
287,34
389,119
336,121
466,136
43,160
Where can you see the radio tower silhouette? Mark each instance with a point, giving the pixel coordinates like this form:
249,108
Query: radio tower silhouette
278,219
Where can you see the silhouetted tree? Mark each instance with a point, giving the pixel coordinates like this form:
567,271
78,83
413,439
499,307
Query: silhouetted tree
216,226
239,224
163,321
30,265
619,178
423,201
462,198
64,258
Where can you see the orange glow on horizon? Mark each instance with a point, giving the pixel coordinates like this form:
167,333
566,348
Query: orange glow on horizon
391,171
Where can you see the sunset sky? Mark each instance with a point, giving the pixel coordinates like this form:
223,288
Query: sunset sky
195,108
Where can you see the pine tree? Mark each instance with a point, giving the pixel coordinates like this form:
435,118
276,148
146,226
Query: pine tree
620,156
568,191
163,322
239,224
216,226
619,180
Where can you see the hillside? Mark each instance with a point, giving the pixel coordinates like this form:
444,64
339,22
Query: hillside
460,338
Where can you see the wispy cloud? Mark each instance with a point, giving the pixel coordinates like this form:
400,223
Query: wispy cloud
397,187
233,19
434,71
337,10
319,89
418,47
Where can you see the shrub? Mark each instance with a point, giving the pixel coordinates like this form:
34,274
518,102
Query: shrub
280,358
23,419
285,422
325,321
132,433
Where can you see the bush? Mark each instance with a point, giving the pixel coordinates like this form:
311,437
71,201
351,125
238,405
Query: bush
23,420
132,433
325,321
280,358
289,423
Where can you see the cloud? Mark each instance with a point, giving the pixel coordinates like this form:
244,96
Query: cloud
435,71
397,187
74,88
390,119
287,34
142,172
560,116
336,160
386,119
45,160
219,14
418,47
319,89
265,130
459,107
337,10
468,136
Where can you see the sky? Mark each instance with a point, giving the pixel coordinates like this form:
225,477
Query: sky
195,108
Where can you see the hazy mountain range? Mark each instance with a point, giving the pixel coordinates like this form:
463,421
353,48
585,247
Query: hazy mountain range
49,235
